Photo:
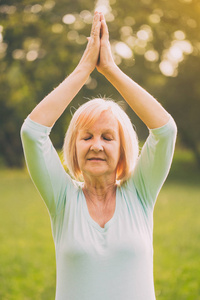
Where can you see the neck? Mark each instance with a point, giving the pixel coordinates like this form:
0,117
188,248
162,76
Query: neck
99,190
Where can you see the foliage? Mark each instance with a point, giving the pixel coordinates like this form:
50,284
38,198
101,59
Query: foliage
185,92
41,43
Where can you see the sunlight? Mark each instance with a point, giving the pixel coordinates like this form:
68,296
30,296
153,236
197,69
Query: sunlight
36,8
129,21
185,46
126,30
167,68
103,6
179,35
191,23
79,24
86,16
49,4
72,35
123,50
57,28
8,9
68,19
175,54
91,83
18,54
154,18
81,39
32,55
131,41
151,55
143,35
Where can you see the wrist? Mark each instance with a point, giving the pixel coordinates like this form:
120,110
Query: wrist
110,71
83,69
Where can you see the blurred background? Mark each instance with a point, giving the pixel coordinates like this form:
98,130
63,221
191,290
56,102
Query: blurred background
155,42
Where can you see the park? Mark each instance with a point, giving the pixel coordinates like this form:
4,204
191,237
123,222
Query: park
157,44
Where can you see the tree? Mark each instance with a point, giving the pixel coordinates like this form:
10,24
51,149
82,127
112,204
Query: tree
154,42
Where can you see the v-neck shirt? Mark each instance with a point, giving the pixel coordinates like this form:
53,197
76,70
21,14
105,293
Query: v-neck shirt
92,221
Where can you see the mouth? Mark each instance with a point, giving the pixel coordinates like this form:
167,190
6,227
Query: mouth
96,159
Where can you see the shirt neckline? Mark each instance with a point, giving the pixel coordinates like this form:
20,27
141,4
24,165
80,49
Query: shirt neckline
92,221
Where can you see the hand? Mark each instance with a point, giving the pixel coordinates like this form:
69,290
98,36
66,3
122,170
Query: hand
105,61
90,56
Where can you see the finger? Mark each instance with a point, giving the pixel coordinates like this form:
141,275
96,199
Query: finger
97,30
104,30
95,36
104,27
101,16
96,19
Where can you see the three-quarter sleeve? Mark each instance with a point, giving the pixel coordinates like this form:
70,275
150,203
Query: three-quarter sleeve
44,165
154,162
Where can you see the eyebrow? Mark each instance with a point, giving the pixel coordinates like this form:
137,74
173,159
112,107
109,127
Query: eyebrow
105,131
109,131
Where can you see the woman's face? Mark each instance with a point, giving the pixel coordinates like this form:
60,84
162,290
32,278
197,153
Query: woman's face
98,148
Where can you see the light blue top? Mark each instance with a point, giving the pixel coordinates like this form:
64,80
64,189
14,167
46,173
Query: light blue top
95,263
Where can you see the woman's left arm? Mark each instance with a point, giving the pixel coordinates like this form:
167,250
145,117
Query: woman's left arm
143,104
148,109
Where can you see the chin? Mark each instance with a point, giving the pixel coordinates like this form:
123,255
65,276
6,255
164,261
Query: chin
95,172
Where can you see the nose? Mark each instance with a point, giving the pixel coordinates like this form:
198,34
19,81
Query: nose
96,146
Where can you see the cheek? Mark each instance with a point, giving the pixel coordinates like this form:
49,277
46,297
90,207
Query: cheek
81,150
115,153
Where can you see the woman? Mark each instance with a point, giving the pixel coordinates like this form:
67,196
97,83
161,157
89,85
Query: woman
102,226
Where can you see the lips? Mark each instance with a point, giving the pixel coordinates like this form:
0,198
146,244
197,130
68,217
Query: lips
96,159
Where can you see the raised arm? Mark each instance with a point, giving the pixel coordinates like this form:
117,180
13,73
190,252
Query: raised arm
143,104
52,106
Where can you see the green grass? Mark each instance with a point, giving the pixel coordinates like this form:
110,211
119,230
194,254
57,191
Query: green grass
27,259
177,232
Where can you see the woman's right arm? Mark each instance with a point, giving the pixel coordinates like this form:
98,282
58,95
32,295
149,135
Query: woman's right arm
42,159
53,105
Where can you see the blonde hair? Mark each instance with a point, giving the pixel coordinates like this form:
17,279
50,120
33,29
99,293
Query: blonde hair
84,117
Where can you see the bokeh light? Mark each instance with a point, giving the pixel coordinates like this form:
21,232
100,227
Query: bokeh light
123,50
68,19
151,55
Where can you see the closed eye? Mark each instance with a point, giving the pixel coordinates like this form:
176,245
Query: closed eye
88,138
103,137
107,139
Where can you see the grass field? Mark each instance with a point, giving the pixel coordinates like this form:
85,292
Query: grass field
27,259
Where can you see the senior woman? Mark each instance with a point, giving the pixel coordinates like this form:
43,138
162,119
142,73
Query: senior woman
102,216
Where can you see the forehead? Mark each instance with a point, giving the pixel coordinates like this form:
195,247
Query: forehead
105,122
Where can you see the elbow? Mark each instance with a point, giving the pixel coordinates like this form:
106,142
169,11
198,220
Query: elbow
23,131
174,127
26,133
